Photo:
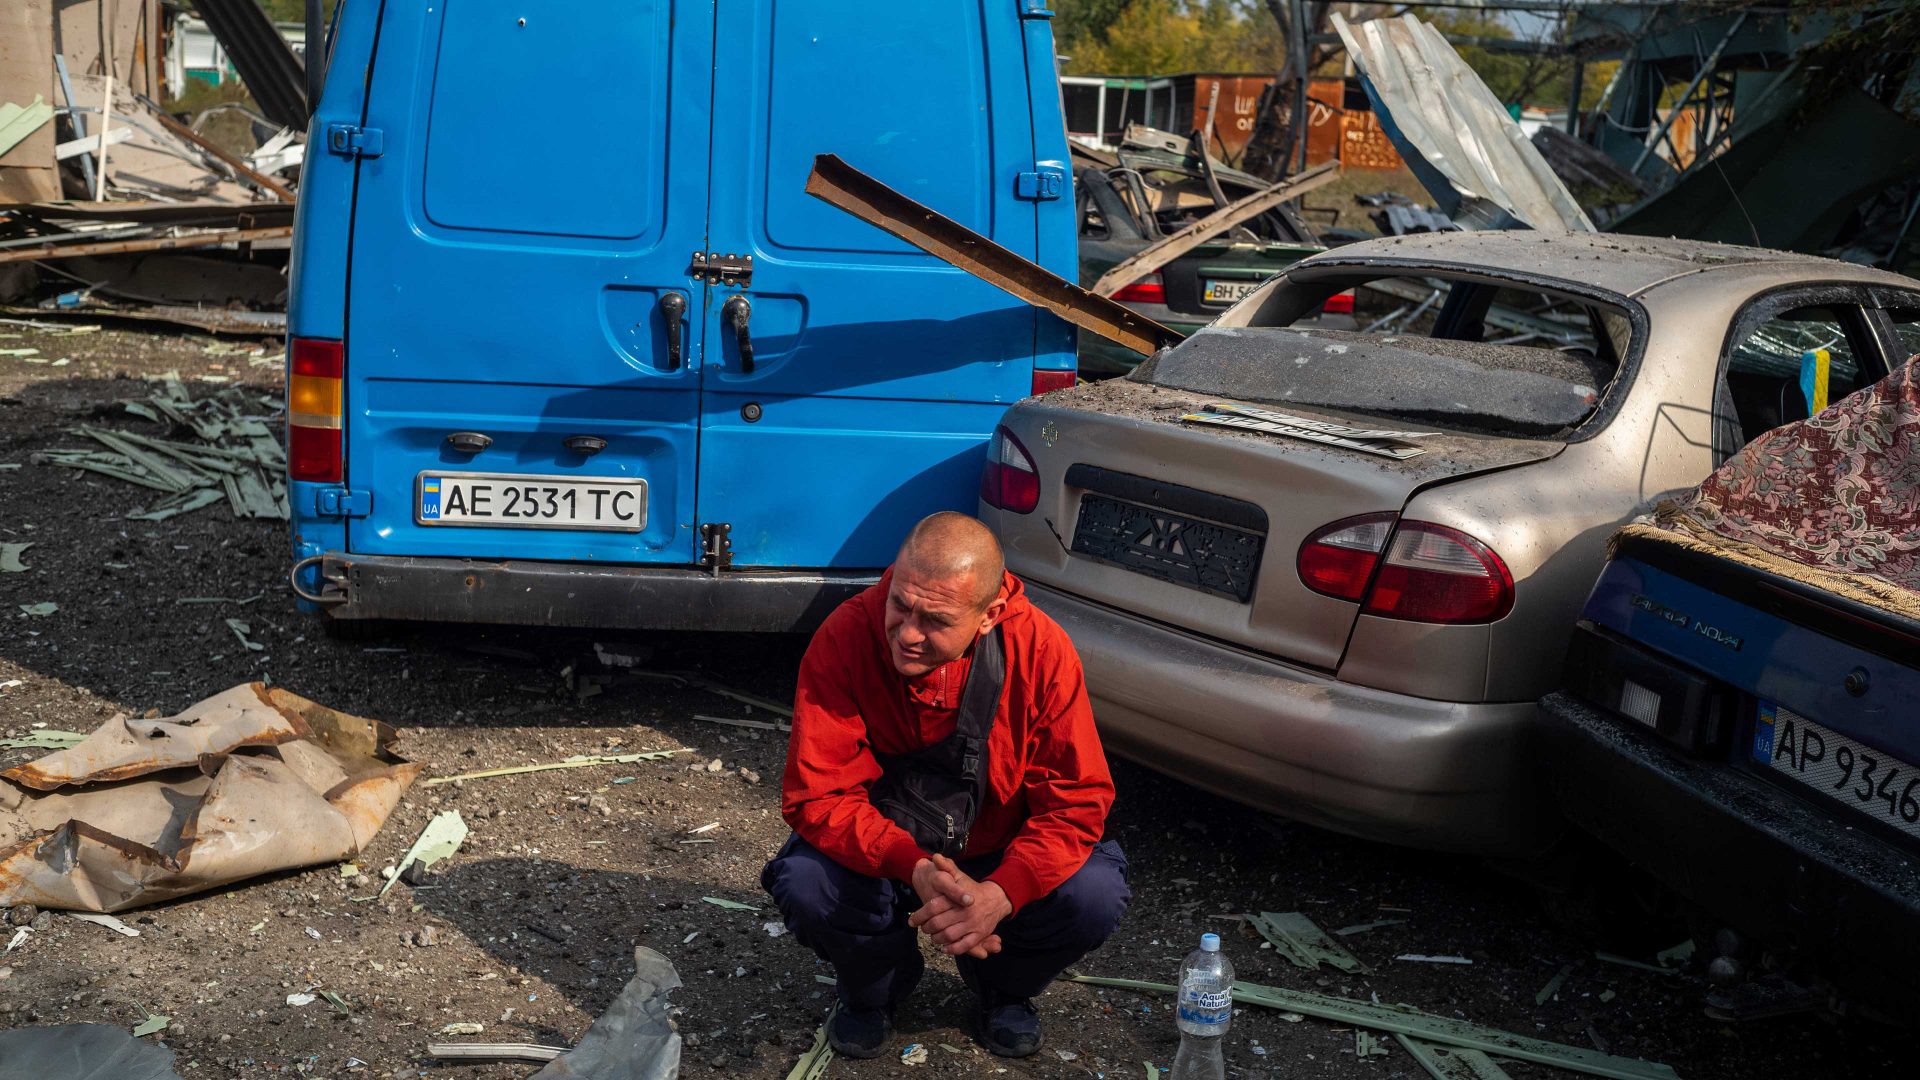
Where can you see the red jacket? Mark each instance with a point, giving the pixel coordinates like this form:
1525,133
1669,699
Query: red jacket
1048,788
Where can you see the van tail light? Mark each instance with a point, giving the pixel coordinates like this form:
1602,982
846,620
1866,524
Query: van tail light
1046,381
1148,290
315,370
1411,570
1340,303
1010,481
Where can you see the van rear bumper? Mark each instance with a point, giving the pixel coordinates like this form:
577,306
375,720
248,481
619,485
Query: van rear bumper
568,594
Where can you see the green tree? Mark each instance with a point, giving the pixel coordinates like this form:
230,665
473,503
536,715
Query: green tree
1158,37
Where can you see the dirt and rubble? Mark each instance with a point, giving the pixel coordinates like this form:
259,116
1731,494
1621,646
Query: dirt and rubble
529,929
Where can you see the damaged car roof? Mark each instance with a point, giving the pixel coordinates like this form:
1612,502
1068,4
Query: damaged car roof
1627,265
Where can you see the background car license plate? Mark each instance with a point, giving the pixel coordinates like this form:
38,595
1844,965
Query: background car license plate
1227,292
516,501
1882,787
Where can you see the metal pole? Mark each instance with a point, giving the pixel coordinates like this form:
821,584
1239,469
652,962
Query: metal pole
1573,99
313,57
74,114
1297,15
1673,114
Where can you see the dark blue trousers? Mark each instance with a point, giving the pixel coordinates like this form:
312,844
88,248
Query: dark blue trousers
859,925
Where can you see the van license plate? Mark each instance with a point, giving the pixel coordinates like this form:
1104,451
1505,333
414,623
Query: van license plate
1228,292
518,501
1878,785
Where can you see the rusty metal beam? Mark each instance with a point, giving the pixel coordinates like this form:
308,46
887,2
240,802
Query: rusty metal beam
1154,256
237,164
157,243
873,202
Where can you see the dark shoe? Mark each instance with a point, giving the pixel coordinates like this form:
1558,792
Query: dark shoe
1011,1030
858,1033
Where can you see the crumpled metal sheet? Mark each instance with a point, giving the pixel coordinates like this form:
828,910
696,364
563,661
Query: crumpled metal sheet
1453,132
635,1038
82,1052
248,782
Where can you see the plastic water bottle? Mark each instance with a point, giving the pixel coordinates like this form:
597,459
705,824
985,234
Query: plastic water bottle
1205,1010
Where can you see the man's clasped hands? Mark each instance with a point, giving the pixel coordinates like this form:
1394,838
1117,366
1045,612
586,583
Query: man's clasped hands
957,912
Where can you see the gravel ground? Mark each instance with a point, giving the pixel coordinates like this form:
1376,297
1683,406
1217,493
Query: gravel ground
529,929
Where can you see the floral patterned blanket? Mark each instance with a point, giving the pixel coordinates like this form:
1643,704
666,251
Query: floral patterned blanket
1838,492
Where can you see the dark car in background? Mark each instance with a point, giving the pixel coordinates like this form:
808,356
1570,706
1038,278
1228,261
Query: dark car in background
1138,196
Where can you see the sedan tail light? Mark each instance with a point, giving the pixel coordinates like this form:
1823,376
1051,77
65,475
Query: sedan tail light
1047,380
1411,570
1339,560
315,371
1009,482
1340,303
1148,290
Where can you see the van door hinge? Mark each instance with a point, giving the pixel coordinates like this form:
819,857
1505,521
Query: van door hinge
1035,9
1047,181
342,502
354,141
716,546
717,269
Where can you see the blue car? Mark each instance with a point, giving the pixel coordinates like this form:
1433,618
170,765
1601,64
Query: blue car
571,345
1738,715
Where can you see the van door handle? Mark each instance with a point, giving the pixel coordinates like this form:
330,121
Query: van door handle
735,312
673,307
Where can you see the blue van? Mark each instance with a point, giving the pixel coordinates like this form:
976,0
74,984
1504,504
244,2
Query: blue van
570,345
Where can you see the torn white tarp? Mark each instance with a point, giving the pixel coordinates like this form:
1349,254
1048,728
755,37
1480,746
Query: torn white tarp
1455,135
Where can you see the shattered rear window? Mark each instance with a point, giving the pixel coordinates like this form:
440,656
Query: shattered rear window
1462,354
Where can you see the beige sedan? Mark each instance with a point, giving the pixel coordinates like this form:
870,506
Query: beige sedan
1326,569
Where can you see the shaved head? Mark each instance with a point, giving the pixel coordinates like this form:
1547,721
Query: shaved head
950,546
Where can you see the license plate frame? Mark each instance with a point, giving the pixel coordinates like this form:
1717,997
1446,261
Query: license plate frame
1202,555
518,483
1808,755
1233,290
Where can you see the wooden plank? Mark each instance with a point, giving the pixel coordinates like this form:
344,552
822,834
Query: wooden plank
1155,256
157,243
873,202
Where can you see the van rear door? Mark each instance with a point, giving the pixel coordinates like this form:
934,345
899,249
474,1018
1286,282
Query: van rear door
531,185
877,371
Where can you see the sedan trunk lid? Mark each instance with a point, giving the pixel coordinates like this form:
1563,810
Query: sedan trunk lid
1122,476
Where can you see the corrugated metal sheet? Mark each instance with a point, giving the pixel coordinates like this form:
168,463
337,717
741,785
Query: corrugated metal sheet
1454,133
266,62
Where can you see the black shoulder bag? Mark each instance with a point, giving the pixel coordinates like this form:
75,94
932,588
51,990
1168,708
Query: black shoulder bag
935,793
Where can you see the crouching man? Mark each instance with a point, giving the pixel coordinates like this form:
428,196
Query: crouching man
944,778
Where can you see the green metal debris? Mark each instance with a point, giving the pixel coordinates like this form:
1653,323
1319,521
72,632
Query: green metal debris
1366,1044
40,610
10,558
1300,940
813,1064
1361,928
1452,1063
1403,1020
48,739
439,840
580,762
1553,986
237,458
730,905
241,630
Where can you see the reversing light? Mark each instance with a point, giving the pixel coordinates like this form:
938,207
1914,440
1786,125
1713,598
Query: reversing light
1009,482
1435,574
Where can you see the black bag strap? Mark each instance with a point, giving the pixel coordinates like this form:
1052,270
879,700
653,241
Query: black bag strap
979,704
